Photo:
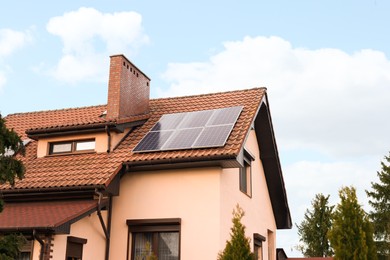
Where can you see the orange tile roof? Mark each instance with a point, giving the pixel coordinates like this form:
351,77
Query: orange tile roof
43,215
100,168
21,122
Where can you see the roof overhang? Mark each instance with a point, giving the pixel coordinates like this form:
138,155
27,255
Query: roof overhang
223,161
54,217
82,129
271,164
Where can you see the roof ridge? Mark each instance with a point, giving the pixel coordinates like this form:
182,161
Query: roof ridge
211,93
55,110
152,99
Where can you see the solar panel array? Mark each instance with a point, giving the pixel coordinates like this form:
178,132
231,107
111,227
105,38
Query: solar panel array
199,129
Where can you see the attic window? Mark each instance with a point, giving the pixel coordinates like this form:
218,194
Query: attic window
72,146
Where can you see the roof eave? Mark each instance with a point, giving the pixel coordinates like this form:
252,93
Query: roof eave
273,172
223,160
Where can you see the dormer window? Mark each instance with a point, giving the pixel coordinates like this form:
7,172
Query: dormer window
75,146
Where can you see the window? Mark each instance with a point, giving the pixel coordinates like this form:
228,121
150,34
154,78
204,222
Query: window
258,246
271,245
72,146
25,251
246,174
155,237
74,248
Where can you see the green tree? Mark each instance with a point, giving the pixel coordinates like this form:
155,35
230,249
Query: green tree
238,248
9,246
351,232
380,213
10,144
10,169
314,228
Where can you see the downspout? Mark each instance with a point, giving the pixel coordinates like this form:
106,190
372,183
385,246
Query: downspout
35,235
108,138
108,227
105,229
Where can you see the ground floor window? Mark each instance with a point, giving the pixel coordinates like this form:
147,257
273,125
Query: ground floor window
25,250
74,248
258,246
151,239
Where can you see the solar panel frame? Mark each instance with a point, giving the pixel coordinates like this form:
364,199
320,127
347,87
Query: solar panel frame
190,130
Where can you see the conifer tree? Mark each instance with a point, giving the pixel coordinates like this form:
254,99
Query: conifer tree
313,230
238,248
351,232
380,215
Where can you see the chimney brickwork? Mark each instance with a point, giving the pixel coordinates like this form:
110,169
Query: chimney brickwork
128,89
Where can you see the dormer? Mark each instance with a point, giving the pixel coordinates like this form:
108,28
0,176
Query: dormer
98,129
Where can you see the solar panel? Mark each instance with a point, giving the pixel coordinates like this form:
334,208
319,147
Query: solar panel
196,119
182,139
169,122
213,136
225,116
153,141
199,129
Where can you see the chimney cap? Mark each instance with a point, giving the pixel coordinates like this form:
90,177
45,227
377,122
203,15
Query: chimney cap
128,61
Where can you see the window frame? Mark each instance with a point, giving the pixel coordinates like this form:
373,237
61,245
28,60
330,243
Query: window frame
258,244
73,149
245,174
153,226
76,241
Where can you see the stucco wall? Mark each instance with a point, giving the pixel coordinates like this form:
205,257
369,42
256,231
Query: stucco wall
191,194
259,216
88,228
203,198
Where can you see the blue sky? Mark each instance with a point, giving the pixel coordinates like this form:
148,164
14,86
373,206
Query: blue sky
325,64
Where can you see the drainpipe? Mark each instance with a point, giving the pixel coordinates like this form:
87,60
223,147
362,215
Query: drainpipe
105,229
108,138
35,235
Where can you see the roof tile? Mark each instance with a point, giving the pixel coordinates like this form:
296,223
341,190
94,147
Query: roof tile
99,168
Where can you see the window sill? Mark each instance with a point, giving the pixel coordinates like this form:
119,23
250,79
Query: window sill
71,153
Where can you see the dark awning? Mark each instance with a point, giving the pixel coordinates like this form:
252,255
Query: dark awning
46,216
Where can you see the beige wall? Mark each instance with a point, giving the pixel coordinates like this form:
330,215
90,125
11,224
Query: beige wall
101,141
259,216
192,195
203,198
88,228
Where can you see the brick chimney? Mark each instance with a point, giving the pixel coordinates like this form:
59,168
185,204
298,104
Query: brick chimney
128,89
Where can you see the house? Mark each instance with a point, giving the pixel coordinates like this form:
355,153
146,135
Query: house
136,175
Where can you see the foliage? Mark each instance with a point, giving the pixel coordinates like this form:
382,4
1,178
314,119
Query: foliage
147,253
238,248
9,246
314,228
380,203
351,232
10,168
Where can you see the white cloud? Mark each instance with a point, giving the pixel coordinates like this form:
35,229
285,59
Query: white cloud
10,41
88,35
323,100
